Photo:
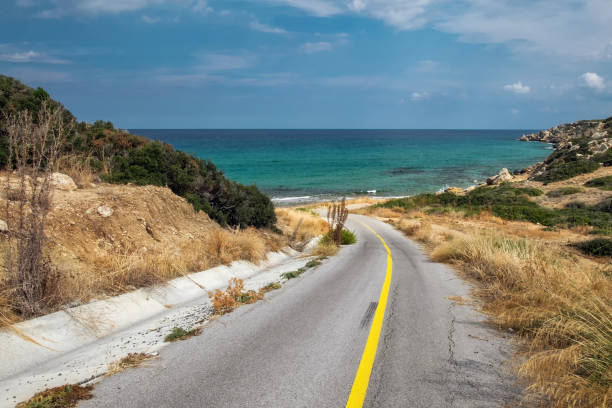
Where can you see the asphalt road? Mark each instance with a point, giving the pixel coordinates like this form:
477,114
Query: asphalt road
302,346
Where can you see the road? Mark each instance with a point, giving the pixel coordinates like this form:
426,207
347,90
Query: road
302,346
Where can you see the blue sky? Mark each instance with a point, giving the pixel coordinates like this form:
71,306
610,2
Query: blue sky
315,63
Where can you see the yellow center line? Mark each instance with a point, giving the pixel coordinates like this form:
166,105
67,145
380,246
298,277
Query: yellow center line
362,378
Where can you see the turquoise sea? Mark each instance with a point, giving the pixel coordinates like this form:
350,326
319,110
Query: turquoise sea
311,165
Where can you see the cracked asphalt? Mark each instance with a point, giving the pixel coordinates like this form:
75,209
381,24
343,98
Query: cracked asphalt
301,346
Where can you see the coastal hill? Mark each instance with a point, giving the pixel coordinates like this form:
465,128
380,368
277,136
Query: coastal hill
580,147
99,151
128,212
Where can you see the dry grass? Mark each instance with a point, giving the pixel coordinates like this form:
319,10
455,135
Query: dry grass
131,360
559,302
233,296
301,225
65,396
78,169
151,237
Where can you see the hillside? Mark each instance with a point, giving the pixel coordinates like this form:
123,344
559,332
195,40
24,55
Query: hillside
580,147
107,239
537,247
99,152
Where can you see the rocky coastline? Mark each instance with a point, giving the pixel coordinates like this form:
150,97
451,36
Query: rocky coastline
586,140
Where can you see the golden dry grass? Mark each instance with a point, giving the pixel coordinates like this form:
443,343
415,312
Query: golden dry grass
131,360
151,237
233,296
300,225
529,281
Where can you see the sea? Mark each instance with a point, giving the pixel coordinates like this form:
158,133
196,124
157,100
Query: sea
302,166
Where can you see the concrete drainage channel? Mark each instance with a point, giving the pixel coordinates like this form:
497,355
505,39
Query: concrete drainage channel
76,345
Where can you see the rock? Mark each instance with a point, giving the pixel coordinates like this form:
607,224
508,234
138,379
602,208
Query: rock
3,226
470,188
454,190
599,135
62,182
503,176
105,211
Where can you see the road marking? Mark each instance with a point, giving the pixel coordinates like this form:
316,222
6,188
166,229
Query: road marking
362,378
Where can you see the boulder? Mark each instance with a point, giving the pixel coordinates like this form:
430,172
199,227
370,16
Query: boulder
503,176
62,182
3,226
105,211
454,190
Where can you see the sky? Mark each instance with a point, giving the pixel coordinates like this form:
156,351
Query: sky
496,64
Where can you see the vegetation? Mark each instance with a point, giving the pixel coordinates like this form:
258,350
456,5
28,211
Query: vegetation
336,217
511,203
603,183
131,360
34,144
596,247
233,296
564,191
572,160
66,396
346,238
564,171
119,157
556,301
178,333
300,226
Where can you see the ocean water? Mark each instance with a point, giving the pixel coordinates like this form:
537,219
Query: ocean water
311,165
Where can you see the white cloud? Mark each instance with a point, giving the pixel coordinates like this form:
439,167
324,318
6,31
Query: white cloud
314,47
518,88
201,6
60,8
417,96
564,27
31,56
264,28
321,8
593,80
515,111
150,20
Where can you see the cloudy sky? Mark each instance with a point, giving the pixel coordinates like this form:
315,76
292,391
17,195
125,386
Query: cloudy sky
316,63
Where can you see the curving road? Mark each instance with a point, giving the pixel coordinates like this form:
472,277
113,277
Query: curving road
302,346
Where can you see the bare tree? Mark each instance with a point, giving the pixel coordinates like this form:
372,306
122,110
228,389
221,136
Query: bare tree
35,144
336,217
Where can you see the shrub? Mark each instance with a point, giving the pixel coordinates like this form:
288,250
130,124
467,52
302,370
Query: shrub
233,296
346,238
564,191
65,396
178,333
603,183
604,158
511,203
119,157
596,247
567,170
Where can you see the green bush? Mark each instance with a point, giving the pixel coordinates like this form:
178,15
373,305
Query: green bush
348,238
596,247
567,170
604,158
135,159
511,203
603,183
564,191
